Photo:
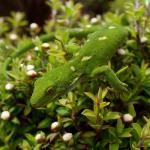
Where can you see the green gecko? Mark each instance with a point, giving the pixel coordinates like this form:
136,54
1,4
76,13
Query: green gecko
91,60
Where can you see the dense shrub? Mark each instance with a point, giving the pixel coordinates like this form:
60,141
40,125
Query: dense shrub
91,116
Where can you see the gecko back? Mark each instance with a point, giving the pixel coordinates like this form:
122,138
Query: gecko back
97,51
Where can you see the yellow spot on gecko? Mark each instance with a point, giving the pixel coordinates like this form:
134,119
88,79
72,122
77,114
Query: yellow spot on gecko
111,27
102,38
76,54
75,80
72,68
86,58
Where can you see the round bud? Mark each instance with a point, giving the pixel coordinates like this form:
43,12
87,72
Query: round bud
30,67
5,115
1,20
45,46
31,73
127,118
40,137
36,48
94,20
121,51
67,137
13,36
29,57
9,86
34,27
144,39
55,126
21,65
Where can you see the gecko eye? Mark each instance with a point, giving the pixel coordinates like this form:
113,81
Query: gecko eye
50,91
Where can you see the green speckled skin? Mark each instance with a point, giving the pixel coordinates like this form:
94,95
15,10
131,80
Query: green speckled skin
97,51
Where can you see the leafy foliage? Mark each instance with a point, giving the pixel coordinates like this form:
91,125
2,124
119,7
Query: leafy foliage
93,112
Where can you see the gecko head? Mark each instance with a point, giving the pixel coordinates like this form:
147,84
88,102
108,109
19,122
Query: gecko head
43,93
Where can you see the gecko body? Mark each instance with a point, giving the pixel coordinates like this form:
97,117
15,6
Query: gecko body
91,60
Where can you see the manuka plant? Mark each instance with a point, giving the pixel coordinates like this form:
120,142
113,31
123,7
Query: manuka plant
78,82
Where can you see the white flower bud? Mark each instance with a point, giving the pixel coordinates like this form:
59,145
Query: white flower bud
21,65
55,126
5,115
34,26
40,137
30,67
94,20
45,46
29,58
127,118
67,137
121,51
147,3
31,73
36,48
13,37
144,39
68,3
1,20
9,86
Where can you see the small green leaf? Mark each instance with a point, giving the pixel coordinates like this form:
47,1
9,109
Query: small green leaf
71,96
113,146
67,124
126,133
8,137
112,131
52,136
104,104
145,131
37,147
30,138
63,101
88,134
91,96
95,126
111,115
15,120
134,147
44,123
136,70
131,110
120,126
62,111
99,94
137,128
27,109
104,93
4,148
147,143
89,114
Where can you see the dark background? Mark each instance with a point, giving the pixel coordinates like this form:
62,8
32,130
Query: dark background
37,11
